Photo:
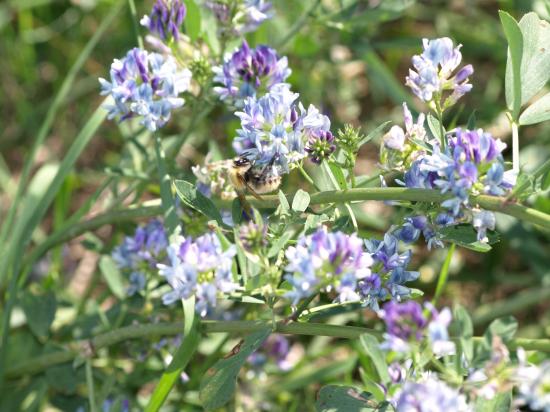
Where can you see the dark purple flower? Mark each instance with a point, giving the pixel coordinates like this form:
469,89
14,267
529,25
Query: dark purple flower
404,320
165,19
320,146
249,71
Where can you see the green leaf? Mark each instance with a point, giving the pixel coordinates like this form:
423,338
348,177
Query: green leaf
513,80
112,276
189,194
284,206
472,121
63,378
338,175
336,398
280,243
375,134
504,327
372,348
192,19
537,112
180,360
218,383
501,402
465,236
535,62
435,127
463,328
301,200
39,311
171,219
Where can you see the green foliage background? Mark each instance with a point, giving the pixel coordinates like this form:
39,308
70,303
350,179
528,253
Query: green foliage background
349,58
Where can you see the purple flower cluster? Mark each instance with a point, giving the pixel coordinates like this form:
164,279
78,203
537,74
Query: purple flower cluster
274,128
389,272
428,395
140,253
433,72
320,146
165,19
198,267
471,164
248,72
241,17
146,85
327,261
408,323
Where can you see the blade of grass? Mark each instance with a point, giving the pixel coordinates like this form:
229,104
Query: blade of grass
173,372
443,275
168,204
90,384
50,117
135,19
26,225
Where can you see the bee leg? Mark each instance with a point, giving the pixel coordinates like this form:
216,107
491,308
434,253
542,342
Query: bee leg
253,192
247,208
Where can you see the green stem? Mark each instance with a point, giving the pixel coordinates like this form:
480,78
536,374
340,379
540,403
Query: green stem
336,186
515,147
43,362
307,177
90,384
168,206
443,275
439,112
134,22
169,378
497,204
493,203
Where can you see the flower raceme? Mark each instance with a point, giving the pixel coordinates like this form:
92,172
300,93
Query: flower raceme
198,267
327,261
147,85
275,129
345,264
165,19
140,253
408,323
471,164
433,73
248,72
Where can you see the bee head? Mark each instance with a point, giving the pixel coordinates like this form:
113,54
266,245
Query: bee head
242,163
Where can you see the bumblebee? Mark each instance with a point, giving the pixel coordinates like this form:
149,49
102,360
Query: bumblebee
245,176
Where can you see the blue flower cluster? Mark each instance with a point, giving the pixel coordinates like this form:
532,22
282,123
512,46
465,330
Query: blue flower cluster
369,271
198,267
275,129
470,164
241,16
389,272
165,19
147,85
248,72
429,394
433,72
275,348
327,261
140,253
408,323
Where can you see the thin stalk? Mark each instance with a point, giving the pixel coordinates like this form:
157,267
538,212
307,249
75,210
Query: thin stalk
443,275
90,384
497,204
306,176
43,362
515,147
336,186
133,12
